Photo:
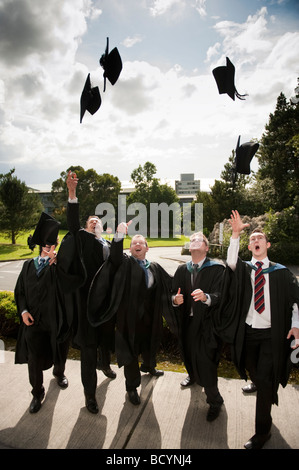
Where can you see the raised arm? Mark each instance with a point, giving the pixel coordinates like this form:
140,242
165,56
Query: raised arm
236,224
73,221
72,182
233,249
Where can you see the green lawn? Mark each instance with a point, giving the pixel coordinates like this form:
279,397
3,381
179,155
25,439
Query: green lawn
21,250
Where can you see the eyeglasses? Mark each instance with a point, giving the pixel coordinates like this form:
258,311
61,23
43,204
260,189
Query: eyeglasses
256,238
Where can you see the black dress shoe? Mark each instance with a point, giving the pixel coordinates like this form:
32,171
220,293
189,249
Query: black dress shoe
36,403
151,370
250,388
213,412
108,372
187,382
257,441
62,381
134,397
91,405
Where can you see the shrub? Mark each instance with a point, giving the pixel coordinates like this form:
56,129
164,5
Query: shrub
9,319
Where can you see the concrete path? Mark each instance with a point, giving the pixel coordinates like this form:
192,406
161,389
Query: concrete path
168,417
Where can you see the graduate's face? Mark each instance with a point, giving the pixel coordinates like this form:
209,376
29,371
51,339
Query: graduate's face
258,245
138,247
198,243
47,250
91,224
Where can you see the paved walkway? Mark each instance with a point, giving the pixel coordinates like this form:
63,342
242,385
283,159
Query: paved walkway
168,418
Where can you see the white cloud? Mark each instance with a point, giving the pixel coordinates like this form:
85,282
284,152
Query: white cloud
161,114
131,41
160,7
249,37
200,6
213,51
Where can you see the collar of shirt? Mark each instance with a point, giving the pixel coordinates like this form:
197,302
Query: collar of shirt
44,257
265,261
138,260
199,264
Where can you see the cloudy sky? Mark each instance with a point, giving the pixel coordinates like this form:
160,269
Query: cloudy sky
165,108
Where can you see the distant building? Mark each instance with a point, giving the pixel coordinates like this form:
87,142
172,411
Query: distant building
187,187
46,199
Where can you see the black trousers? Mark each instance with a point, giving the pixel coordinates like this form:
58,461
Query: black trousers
212,392
89,370
98,353
132,371
38,339
259,364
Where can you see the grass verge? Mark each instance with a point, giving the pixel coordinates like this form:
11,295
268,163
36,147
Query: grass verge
21,251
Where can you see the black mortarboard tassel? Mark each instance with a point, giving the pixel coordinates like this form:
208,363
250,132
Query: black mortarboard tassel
225,79
46,231
90,98
112,65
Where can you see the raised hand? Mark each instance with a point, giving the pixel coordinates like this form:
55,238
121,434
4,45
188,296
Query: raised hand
123,227
71,183
236,224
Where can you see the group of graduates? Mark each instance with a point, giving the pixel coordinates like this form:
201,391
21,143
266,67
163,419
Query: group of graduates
96,297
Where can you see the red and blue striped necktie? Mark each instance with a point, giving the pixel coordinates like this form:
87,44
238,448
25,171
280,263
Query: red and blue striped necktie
259,302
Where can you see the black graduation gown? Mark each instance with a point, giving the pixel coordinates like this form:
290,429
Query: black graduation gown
41,297
79,258
118,290
206,346
235,303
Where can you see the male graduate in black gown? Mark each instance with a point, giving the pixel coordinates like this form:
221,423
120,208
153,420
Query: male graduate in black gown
260,317
196,293
91,250
137,293
39,305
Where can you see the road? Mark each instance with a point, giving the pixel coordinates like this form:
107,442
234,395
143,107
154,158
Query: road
168,257
9,271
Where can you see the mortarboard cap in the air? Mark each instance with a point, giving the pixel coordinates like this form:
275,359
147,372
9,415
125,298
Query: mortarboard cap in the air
225,80
112,65
244,155
46,231
90,99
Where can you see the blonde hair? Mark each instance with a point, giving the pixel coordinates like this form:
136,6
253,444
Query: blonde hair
201,235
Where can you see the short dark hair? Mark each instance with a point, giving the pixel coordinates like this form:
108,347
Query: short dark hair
259,230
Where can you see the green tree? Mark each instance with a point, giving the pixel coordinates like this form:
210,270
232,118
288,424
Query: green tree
149,190
279,155
226,194
19,209
92,189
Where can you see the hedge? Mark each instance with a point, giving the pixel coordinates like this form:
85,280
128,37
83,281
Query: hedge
9,319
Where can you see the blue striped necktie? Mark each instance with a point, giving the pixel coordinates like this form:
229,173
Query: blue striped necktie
259,303
41,265
142,264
